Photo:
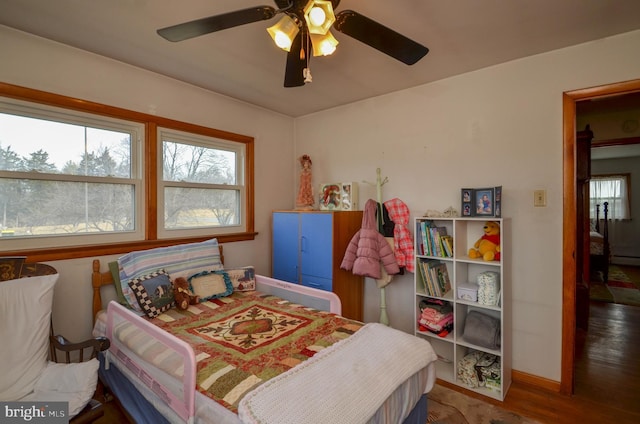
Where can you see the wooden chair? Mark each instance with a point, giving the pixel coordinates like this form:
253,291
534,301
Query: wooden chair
17,268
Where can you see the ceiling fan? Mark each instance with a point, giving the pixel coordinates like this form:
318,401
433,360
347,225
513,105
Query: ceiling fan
303,29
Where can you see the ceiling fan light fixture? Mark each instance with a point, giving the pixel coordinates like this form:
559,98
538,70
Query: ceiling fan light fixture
319,16
323,45
284,32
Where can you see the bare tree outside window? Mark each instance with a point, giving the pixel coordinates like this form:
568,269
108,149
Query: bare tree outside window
199,185
56,176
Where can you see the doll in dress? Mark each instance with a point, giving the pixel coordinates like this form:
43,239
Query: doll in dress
304,200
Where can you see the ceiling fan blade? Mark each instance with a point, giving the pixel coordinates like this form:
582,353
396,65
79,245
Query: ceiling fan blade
284,4
379,37
296,62
215,23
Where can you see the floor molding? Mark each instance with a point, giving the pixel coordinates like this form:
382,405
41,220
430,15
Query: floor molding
534,380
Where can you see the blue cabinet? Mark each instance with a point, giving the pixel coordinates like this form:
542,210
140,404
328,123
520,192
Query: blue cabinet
308,248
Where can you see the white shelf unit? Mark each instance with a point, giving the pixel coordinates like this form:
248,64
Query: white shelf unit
462,269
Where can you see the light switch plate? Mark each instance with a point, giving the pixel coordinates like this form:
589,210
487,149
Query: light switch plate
539,198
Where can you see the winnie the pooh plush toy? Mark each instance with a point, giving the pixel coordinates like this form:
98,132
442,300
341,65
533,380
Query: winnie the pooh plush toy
182,294
488,246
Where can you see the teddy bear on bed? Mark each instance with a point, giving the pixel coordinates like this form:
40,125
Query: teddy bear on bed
182,295
488,246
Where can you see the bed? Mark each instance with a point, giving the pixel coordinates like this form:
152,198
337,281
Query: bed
276,354
599,248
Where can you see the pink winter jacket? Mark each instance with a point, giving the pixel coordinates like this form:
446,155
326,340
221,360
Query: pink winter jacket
368,248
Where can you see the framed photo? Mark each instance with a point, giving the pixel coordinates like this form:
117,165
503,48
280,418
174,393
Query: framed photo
466,198
497,210
484,201
330,197
338,196
349,196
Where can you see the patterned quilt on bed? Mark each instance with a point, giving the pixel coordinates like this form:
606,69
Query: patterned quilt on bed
241,341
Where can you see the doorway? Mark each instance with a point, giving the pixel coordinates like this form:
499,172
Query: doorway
570,224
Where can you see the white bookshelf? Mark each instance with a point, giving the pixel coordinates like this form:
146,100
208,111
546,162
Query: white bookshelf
462,269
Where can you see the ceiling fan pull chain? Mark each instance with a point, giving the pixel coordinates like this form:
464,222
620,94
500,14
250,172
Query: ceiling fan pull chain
306,72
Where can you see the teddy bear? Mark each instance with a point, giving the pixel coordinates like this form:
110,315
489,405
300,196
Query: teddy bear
488,246
182,295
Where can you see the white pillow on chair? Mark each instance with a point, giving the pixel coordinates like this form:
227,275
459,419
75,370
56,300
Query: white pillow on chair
25,320
74,383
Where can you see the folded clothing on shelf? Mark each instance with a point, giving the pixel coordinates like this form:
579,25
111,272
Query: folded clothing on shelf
436,316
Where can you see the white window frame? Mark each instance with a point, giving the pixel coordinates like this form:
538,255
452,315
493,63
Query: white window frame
135,129
196,139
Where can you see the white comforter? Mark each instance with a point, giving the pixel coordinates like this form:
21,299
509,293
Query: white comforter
329,386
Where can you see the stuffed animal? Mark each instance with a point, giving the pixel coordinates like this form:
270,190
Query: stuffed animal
488,246
182,294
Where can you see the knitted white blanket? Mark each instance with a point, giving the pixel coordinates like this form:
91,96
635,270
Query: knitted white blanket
345,383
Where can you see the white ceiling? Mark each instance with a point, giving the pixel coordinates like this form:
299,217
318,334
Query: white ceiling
243,63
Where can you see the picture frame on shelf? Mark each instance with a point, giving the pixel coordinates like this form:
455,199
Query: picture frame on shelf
338,196
349,196
466,196
329,197
497,209
484,201
481,202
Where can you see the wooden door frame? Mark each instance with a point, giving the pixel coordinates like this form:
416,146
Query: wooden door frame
569,228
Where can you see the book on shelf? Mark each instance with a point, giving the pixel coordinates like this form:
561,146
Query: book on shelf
447,244
437,234
434,277
420,238
425,234
443,278
431,289
422,277
431,239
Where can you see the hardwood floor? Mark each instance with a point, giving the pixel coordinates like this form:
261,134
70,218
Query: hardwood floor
607,376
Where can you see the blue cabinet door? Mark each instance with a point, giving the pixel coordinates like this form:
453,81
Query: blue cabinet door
286,246
316,244
317,282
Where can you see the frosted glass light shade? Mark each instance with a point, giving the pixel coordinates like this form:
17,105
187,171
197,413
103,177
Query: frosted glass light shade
319,16
323,45
284,32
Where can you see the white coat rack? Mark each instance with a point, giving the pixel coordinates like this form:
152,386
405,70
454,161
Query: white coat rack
384,318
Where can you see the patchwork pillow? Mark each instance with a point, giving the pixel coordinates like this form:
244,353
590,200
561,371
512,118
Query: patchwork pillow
210,285
154,292
242,278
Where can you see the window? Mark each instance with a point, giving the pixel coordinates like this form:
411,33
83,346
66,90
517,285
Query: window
613,189
65,177
79,179
200,184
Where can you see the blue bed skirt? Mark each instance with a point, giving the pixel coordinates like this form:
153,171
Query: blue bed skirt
143,412
138,408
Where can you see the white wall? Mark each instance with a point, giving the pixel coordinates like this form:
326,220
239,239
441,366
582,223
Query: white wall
498,126
44,65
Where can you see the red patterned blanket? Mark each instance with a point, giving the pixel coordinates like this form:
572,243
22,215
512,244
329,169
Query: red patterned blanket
241,341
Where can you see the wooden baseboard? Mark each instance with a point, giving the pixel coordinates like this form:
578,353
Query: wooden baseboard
516,376
534,380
